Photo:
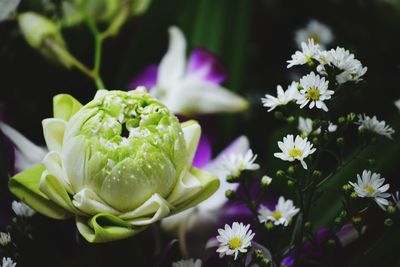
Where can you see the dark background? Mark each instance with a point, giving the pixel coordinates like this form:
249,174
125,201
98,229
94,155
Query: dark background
253,38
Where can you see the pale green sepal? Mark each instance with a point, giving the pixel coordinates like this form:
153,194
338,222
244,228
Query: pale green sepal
105,227
191,132
210,184
53,131
25,186
65,106
55,191
153,210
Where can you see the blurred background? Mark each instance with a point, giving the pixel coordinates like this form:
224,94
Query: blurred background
252,38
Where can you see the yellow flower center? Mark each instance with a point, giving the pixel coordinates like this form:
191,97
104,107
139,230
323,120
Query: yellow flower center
277,214
369,189
313,94
315,37
295,153
235,243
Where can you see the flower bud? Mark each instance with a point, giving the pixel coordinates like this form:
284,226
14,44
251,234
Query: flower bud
356,219
266,181
290,183
354,195
269,225
351,117
279,115
371,161
388,222
346,187
230,194
331,242
291,119
43,35
340,141
316,174
280,173
391,209
341,120
291,169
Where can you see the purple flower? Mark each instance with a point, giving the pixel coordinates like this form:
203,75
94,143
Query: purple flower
189,87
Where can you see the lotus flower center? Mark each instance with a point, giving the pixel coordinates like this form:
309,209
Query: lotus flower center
295,152
313,93
235,243
277,214
369,189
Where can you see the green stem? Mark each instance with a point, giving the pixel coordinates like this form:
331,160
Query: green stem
98,45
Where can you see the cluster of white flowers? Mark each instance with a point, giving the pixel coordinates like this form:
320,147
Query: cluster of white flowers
305,126
373,125
234,240
282,214
22,210
349,68
295,149
371,185
235,163
8,262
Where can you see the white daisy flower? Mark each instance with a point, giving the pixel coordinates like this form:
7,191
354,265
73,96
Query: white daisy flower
305,127
396,199
370,185
8,262
319,32
235,163
310,51
21,209
314,91
282,98
282,214
352,69
187,263
5,239
234,240
367,123
297,149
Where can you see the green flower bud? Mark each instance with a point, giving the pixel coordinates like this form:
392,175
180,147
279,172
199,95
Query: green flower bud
266,181
290,183
291,170
371,161
280,173
291,119
43,35
317,174
391,209
388,222
119,163
340,141
346,187
356,219
354,195
341,120
338,220
351,117
343,214
269,225
279,115
307,225
230,194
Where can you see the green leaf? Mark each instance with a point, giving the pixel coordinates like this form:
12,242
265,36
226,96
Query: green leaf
25,186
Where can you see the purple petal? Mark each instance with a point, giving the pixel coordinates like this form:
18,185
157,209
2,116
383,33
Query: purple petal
203,153
147,78
207,66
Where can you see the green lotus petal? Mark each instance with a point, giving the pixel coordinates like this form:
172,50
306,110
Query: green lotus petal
105,227
55,191
210,184
25,186
65,106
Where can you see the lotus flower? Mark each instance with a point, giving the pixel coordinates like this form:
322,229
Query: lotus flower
119,163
